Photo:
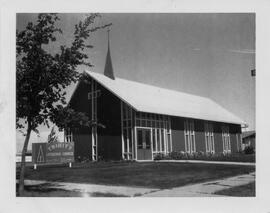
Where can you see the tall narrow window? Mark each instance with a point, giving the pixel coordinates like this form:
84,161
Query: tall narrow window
68,135
127,131
209,137
238,141
189,132
154,140
162,140
226,139
158,140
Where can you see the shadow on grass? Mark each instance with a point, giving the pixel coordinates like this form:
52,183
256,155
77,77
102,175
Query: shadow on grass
247,190
48,190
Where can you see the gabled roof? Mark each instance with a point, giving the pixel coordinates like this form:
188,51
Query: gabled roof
248,134
151,99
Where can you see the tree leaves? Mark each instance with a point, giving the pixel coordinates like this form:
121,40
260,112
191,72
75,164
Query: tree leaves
42,76
65,116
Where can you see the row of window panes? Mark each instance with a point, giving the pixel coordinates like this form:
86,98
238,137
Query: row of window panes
152,120
152,123
190,143
161,140
144,115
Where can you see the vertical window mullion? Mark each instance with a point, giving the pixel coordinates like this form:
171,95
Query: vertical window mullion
212,138
185,135
190,137
160,140
193,133
122,128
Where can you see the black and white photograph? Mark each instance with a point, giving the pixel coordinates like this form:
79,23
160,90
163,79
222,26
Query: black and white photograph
128,104
135,106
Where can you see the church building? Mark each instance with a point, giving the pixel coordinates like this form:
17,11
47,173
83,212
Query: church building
140,120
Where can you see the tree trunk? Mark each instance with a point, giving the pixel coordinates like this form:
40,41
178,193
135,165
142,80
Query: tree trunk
22,170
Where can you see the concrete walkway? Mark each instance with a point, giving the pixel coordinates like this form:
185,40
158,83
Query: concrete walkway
94,188
206,189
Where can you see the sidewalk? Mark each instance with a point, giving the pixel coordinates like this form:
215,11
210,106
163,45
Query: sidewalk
94,188
206,189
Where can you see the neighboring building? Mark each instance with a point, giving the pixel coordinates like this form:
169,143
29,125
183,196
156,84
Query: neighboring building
142,120
248,139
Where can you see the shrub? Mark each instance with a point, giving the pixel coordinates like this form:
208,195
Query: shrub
159,156
162,156
249,150
176,155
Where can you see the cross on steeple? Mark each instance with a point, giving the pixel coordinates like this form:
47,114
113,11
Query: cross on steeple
108,31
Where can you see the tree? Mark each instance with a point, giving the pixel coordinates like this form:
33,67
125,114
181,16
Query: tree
42,76
52,137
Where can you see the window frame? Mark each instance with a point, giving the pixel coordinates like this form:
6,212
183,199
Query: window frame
209,137
189,135
226,141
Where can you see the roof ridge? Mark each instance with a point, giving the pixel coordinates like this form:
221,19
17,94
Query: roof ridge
150,85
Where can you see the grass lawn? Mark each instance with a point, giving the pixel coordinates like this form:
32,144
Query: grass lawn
149,174
247,190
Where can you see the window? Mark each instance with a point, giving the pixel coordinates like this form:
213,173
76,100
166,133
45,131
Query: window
140,138
160,127
209,137
154,140
158,140
162,141
127,131
68,135
189,132
226,139
238,141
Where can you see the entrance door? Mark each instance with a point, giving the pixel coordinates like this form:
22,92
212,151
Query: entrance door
144,151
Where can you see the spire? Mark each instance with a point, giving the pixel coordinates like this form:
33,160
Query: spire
108,71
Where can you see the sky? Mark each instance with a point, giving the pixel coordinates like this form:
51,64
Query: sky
209,55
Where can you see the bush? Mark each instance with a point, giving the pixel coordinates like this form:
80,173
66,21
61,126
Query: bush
162,156
159,156
249,150
176,155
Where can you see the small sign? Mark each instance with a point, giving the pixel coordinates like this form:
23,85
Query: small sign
58,152
39,152
55,152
